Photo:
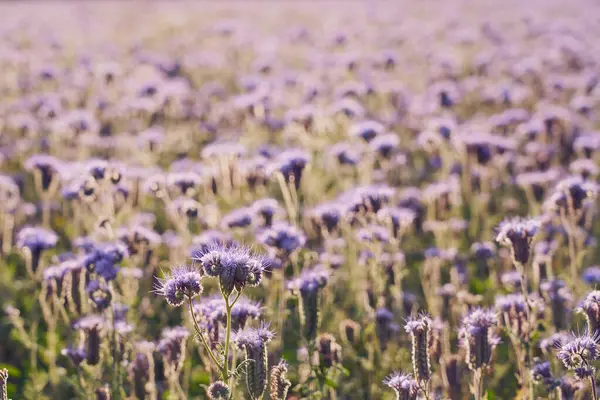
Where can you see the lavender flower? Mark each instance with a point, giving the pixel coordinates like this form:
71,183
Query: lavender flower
235,266
591,275
182,283
35,240
93,327
579,353
291,164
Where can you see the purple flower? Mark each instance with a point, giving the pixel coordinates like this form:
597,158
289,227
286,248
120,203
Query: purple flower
591,275
267,208
517,234
478,337
182,283
578,351
172,346
283,238
239,218
291,163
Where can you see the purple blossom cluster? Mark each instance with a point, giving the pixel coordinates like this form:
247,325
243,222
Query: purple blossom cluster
299,201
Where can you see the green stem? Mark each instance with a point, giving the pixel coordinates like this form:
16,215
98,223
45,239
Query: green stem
228,307
201,335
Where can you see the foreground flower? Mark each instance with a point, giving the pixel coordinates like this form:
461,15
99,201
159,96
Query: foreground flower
404,385
182,283
234,265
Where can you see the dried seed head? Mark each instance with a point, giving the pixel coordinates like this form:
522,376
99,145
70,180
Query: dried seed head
182,283
329,352
350,331
279,384
219,391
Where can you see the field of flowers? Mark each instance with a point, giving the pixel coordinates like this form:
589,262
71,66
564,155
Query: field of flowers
299,200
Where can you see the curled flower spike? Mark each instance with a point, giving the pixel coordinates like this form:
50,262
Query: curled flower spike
517,234
404,385
235,266
541,373
182,283
279,384
419,329
93,327
254,342
309,285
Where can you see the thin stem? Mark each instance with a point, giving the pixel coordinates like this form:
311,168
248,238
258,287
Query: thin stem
228,307
201,335
593,384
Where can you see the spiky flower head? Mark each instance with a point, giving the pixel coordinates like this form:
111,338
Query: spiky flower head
578,351
219,390
517,234
419,328
234,265
279,383
182,282
404,385
478,337
254,342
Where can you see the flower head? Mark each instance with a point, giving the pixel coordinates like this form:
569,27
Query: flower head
182,283
234,265
578,351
